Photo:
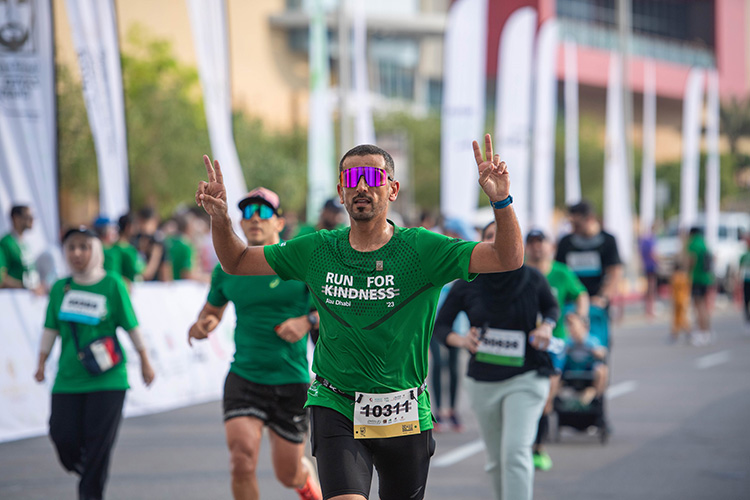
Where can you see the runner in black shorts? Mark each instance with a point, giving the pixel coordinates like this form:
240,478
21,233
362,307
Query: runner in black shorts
268,380
376,286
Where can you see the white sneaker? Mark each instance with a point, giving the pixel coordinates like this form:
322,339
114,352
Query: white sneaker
697,339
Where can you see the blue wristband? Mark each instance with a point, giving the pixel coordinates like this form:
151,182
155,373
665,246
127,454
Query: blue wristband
497,205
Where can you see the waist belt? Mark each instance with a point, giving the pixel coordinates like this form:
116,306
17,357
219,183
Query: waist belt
325,383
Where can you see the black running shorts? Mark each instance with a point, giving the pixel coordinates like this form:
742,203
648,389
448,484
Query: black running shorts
280,407
345,464
698,290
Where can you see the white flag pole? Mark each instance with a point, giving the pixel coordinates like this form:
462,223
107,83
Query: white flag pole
321,181
691,129
545,114
713,166
464,76
513,104
648,170
572,169
94,27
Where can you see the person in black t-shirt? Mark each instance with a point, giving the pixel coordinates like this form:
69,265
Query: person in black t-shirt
508,374
591,254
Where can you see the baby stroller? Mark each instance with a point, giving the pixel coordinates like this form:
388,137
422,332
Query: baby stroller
571,412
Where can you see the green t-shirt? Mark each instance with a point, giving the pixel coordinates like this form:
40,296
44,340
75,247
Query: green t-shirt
700,256
566,287
112,259
17,258
3,265
745,267
377,309
123,259
108,301
180,253
261,303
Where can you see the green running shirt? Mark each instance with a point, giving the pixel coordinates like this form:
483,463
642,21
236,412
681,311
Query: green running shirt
17,259
377,309
72,377
261,303
566,287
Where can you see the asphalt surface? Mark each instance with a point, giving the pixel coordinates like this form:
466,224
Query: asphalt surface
678,413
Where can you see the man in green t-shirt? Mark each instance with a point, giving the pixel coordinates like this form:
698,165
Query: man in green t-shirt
18,270
269,377
700,269
376,287
568,290
122,257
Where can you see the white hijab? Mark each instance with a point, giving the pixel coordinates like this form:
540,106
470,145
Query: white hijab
94,271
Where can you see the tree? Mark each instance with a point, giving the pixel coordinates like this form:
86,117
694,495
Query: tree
735,122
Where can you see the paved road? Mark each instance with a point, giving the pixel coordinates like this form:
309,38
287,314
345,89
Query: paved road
679,415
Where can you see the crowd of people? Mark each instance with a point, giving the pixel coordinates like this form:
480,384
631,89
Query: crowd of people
369,293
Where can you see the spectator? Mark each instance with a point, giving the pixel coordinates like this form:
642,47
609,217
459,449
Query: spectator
17,268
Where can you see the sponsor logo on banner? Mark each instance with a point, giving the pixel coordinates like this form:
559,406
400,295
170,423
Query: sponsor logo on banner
19,65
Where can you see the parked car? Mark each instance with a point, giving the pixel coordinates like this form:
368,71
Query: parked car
733,227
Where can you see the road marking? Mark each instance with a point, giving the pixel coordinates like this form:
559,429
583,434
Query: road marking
709,360
458,454
469,449
617,390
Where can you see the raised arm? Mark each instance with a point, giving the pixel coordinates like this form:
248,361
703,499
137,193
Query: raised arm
506,253
235,256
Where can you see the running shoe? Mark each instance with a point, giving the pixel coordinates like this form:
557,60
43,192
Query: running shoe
311,490
542,461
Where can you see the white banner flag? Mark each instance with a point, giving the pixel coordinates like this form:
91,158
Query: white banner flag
364,128
691,131
713,167
464,82
321,167
208,22
572,169
94,27
648,170
513,105
28,125
617,212
545,116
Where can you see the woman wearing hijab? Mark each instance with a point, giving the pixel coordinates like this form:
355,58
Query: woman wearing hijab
85,310
512,316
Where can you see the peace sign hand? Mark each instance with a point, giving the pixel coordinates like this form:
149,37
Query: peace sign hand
212,195
493,173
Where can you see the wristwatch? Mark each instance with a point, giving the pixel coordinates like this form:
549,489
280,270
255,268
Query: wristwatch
313,319
551,322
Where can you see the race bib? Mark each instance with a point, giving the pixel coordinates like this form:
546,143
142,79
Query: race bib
83,307
502,347
585,263
386,415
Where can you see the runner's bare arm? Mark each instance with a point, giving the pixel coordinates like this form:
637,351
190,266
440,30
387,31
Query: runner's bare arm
235,256
207,321
506,253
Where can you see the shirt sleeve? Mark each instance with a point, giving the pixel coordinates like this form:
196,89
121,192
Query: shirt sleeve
290,259
53,306
575,285
611,256
453,304
216,296
444,259
548,305
127,319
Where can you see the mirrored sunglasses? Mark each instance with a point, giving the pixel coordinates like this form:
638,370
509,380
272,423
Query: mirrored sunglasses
264,211
374,176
